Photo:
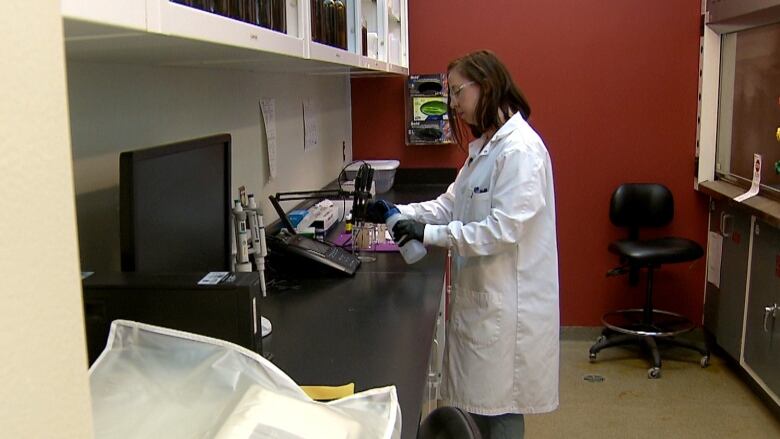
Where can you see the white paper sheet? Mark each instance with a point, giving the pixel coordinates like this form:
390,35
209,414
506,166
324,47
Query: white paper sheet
756,183
268,113
311,135
714,255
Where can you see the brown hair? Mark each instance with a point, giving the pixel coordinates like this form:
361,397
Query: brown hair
498,93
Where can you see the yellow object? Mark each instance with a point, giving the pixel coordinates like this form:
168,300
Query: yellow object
777,134
328,393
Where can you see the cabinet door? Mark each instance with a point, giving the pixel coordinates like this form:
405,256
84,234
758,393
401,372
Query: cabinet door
169,17
724,307
762,333
397,31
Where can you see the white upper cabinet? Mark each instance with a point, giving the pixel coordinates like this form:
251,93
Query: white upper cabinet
302,35
331,31
398,35
178,20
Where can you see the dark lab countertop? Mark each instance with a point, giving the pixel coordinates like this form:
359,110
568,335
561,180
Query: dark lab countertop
374,329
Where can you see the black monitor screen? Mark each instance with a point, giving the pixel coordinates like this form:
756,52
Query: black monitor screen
175,207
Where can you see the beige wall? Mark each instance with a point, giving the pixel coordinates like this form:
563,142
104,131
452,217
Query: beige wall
119,107
43,368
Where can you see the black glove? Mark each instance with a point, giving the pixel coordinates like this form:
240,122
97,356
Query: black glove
376,210
407,229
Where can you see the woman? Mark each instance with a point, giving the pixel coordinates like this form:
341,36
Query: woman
498,218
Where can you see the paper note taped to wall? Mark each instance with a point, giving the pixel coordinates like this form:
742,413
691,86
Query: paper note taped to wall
268,113
714,255
756,183
311,135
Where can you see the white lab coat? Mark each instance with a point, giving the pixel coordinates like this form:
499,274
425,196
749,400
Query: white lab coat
498,217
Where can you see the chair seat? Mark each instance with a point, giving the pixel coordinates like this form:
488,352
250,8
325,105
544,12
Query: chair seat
657,251
448,422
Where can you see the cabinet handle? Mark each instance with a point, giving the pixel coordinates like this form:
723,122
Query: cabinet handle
724,218
769,310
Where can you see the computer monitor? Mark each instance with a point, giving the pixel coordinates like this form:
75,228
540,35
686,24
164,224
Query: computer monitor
175,204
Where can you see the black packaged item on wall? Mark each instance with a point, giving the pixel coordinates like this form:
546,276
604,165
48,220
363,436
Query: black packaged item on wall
228,310
424,133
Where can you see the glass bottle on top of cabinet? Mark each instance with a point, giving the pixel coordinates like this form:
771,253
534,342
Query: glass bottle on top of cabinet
316,13
340,24
264,13
221,7
329,23
326,22
364,36
271,14
279,15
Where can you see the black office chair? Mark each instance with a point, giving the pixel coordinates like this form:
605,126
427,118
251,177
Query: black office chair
635,206
448,423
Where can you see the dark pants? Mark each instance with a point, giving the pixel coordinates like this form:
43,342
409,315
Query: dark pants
506,426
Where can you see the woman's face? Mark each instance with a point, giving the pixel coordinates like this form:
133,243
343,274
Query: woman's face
464,95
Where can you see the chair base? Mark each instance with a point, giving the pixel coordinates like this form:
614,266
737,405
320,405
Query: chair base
631,326
657,324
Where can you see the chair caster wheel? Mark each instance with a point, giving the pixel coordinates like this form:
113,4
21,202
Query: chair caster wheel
601,339
654,373
705,361
592,357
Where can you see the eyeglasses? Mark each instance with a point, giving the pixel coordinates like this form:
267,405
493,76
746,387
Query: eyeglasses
455,92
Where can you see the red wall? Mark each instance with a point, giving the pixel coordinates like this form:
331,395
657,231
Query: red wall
613,91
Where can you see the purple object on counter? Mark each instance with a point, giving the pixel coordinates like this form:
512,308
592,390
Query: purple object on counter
344,239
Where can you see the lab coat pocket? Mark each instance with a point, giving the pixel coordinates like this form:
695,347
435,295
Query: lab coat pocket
480,207
477,317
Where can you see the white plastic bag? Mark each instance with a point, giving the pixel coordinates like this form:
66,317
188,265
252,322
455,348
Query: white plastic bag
157,382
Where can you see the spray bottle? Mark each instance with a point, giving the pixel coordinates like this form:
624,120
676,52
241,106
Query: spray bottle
412,250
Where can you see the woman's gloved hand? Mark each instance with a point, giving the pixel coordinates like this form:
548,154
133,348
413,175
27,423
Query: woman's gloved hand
407,229
376,210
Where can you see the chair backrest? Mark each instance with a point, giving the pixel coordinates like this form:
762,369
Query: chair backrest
637,205
448,423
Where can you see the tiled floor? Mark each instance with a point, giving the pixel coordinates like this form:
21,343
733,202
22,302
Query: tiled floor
686,402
